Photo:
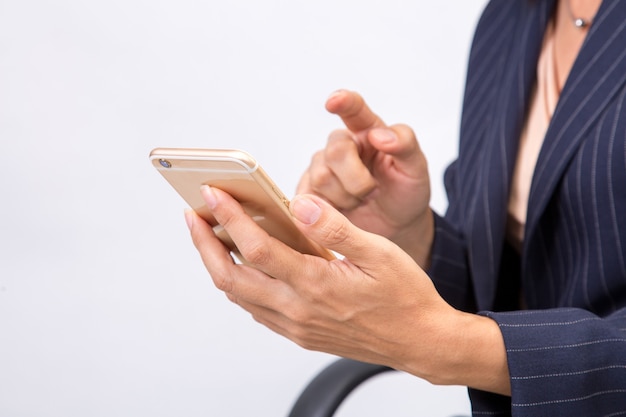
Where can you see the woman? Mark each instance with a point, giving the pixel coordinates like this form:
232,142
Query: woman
524,298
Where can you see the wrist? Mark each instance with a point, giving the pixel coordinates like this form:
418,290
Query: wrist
479,359
417,240
469,351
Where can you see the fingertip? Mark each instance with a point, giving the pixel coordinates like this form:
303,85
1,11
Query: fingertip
353,110
335,100
189,218
209,196
337,93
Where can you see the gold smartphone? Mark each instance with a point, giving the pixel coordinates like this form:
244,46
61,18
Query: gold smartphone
238,174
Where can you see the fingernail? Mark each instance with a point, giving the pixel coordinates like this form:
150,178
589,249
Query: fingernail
335,94
189,218
209,196
384,135
305,210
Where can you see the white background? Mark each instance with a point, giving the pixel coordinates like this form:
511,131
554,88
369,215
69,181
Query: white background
105,308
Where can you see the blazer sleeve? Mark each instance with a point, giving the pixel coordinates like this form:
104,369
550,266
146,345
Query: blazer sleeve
565,360
562,361
449,269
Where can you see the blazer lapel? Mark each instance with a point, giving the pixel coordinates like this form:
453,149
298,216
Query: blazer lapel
596,77
487,230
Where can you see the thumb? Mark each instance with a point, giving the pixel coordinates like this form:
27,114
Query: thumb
399,141
323,224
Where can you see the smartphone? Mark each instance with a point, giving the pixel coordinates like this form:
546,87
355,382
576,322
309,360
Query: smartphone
238,174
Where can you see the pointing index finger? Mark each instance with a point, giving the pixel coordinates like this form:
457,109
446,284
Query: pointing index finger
355,113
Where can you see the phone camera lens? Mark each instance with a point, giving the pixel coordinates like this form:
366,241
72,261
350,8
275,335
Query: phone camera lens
165,163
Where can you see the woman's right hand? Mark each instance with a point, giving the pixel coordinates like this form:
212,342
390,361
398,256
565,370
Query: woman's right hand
376,175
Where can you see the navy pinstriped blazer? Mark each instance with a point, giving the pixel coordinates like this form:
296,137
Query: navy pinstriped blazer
567,351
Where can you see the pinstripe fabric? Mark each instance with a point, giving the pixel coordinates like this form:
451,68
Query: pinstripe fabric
567,353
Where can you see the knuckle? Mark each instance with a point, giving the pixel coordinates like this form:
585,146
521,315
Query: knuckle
339,146
337,234
317,158
319,174
305,343
301,319
321,178
299,316
302,336
362,185
223,282
306,336
257,252
338,135
227,218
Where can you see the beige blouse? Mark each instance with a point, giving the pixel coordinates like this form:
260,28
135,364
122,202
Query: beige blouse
543,101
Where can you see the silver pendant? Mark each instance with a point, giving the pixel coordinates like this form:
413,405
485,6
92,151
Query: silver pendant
580,23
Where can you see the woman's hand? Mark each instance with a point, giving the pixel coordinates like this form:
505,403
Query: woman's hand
376,175
375,305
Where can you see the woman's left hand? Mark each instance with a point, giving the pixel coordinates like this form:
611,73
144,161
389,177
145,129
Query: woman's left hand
375,304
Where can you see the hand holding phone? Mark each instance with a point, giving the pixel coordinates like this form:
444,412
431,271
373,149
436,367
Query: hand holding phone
238,174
